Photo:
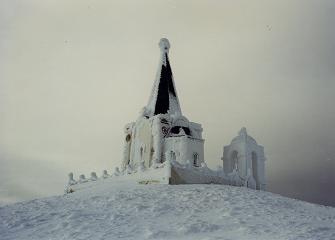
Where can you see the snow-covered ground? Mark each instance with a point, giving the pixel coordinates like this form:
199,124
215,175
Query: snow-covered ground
115,209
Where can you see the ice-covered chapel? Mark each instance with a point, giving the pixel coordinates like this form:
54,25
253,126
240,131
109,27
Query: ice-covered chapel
161,132
163,146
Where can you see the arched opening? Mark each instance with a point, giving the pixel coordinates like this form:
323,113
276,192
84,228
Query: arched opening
141,153
233,161
173,156
255,168
152,154
176,130
196,159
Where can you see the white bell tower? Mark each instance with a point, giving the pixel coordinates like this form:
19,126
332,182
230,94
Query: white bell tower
246,157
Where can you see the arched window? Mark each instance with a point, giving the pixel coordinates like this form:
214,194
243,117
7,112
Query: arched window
255,168
152,153
176,130
233,161
173,156
141,152
196,159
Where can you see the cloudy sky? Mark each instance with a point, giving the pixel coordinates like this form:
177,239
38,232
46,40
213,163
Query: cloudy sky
73,73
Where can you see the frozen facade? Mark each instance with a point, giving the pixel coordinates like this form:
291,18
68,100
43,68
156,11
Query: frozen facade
161,132
244,160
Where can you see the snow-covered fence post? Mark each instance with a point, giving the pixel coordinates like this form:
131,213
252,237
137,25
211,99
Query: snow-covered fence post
82,178
93,176
105,174
71,179
117,172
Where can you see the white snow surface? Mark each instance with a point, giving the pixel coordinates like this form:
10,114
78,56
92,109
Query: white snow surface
113,208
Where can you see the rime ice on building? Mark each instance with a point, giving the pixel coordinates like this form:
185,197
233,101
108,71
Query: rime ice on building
245,159
161,132
163,146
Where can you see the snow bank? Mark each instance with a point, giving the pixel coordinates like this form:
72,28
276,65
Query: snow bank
121,209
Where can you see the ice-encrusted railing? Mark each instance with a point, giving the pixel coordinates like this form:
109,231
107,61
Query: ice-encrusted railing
117,173
82,179
194,174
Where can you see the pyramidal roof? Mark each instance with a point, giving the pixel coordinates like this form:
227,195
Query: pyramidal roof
163,97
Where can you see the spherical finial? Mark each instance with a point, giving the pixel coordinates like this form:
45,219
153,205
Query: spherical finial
164,45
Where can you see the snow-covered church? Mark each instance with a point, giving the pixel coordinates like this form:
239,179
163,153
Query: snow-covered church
161,132
163,146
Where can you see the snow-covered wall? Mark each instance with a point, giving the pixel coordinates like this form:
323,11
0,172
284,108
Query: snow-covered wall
141,143
184,149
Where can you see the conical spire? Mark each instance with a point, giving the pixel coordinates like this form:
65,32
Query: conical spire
163,97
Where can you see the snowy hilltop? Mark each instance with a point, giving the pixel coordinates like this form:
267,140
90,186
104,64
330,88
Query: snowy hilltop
156,194
113,208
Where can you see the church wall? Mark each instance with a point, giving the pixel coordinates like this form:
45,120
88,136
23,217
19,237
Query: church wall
173,144
195,146
141,143
184,149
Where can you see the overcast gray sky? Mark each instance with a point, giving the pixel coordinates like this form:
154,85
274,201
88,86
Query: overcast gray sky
73,73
